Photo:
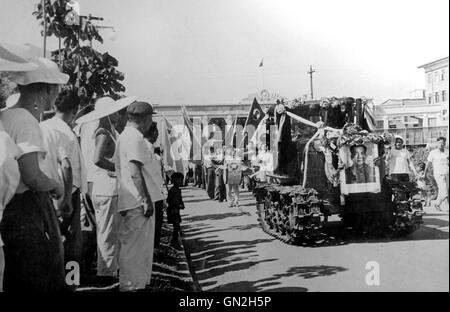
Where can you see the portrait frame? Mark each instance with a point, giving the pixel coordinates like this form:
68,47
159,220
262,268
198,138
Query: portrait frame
373,172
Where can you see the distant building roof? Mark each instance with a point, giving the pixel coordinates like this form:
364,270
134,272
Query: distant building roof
403,102
434,62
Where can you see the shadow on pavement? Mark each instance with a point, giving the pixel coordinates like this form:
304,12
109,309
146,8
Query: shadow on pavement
267,283
217,216
245,286
211,257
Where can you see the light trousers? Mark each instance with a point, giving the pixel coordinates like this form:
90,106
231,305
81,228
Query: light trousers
106,217
136,236
442,184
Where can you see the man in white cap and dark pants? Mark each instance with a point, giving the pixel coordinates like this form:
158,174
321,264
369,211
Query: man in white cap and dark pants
400,163
136,207
29,228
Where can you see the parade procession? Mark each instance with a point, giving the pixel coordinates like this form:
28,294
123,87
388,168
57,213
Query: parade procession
171,167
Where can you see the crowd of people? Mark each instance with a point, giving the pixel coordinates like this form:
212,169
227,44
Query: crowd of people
57,172
225,170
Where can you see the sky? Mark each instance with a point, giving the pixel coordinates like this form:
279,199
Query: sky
208,51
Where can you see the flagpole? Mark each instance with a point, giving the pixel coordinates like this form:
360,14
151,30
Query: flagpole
261,64
263,76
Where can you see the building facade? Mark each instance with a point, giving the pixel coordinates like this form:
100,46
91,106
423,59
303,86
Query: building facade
219,115
423,116
436,85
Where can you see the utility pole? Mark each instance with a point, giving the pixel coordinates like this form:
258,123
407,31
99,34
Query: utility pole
45,26
310,73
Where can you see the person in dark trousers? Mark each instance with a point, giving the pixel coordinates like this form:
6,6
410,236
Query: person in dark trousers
174,205
220,190
198,181
157,176
210,173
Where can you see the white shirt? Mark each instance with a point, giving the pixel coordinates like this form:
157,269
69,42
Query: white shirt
131,146
58,134
398,161
9,170
156,183
24,129
440,161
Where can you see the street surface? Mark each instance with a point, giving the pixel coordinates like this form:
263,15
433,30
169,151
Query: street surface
230,252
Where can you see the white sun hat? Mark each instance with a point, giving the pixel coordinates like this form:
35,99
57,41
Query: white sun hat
12,62
46,72
106,106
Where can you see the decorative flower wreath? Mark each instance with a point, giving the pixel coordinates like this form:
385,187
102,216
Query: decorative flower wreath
355,135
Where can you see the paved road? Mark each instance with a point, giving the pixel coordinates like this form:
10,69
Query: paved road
229,252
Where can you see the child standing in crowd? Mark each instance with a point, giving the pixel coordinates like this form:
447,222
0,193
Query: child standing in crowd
174,204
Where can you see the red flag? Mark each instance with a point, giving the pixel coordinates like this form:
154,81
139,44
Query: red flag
255,115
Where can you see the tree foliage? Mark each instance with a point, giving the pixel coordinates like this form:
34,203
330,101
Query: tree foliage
6,89
95,74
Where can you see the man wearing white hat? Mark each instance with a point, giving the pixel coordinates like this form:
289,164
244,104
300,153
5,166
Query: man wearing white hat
33,247
400,163
104,183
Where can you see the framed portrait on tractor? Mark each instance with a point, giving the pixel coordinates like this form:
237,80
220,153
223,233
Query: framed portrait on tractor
359,173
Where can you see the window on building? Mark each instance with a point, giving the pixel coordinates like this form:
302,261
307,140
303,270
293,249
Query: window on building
436,76
436,97
430,78
430,99
432,122
443,75
444,95
380,124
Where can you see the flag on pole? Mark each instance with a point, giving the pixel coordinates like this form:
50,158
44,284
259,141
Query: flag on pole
196,138
187,120
229,135
254,117
171,157
261,64
255,114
